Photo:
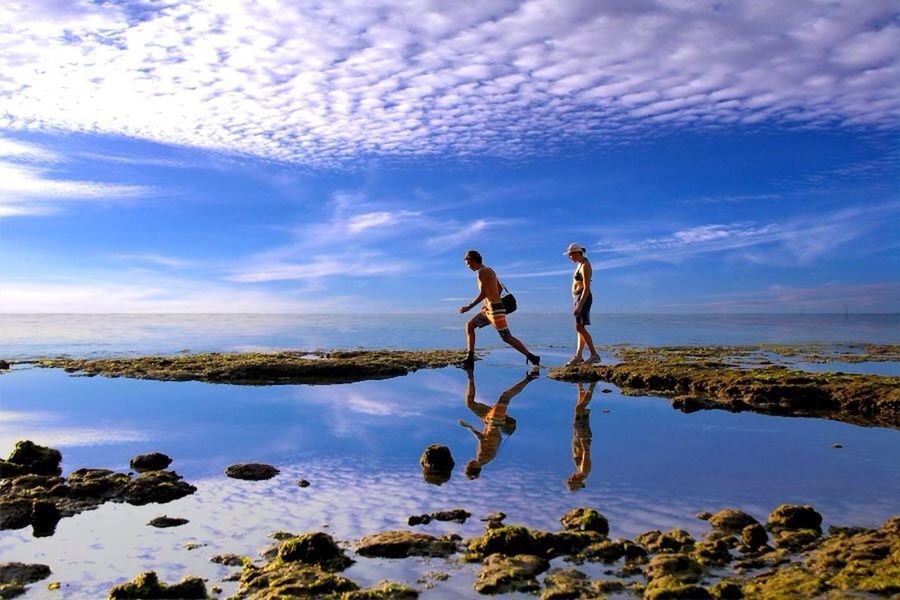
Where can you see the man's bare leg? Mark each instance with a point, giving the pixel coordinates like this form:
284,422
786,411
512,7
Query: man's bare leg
515,343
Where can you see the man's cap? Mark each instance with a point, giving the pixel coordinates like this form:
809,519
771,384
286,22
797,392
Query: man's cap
573,247
473,255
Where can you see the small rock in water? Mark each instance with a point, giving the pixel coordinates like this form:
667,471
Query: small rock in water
251,471
418,520
194,545
154,461
837,445
165,521
606,391
437,464
704,515
303,483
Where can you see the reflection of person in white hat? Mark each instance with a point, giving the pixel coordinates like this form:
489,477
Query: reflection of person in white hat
582,298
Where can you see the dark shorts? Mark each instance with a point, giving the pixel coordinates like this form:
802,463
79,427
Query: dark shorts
495,316
584,317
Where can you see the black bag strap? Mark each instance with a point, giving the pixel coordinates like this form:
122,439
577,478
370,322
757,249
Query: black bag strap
503,287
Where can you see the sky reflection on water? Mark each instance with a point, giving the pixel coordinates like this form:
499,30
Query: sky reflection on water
359,444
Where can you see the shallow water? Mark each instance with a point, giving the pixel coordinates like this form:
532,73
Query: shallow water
358,444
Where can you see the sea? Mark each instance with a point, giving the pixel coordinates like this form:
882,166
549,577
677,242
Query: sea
638,461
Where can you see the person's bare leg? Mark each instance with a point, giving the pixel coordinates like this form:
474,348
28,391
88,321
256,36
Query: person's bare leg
515,343
470,337
585,339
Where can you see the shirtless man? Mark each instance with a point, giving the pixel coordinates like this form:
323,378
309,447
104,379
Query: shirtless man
492,313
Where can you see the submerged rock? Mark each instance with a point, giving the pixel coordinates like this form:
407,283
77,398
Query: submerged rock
251,471
154,461
280,579
23,573
674,540
165,521
147,585
400,544
384,590
500,574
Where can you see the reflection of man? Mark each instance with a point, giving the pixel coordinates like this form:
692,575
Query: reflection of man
581,438
495,422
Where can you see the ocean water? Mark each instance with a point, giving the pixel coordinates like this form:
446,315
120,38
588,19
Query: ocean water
643,464
29,336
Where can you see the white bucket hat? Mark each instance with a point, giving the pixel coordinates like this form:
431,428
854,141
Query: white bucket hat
573,247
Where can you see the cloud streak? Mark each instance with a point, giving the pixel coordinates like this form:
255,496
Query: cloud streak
322,82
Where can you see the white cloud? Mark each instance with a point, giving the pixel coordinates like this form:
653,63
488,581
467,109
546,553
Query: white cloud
28,190
319,82
111,294
829,297
156,259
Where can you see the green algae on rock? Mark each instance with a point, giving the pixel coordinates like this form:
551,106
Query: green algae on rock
695,385
400,544
263,368
147,585
384,590
500,574
585,519
315,548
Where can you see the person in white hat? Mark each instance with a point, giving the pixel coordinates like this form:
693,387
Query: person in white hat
582,298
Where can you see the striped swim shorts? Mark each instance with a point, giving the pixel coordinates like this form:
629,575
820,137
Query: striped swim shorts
495,316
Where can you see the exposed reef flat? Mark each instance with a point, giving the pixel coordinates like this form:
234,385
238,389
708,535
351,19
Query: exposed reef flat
263,368
740,557
763,353
734,378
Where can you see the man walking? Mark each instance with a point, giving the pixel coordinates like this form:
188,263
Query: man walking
492,313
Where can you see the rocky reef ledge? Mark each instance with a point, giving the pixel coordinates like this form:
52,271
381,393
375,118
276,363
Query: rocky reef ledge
702,378
263,368
786,557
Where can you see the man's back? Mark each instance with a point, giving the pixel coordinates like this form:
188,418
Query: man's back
489,284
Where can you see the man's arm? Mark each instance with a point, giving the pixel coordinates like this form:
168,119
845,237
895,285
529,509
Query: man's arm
586,273
478,298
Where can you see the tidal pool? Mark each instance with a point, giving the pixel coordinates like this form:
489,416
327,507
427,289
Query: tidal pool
641,463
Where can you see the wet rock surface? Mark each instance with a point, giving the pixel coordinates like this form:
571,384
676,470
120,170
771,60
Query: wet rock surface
42,500
585,519
264,368
154,461
456,515
148,585
400,544
723,377
437,464
15,576
164,522
251,471
501,574
314,548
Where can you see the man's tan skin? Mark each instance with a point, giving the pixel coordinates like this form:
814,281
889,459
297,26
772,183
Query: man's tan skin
489,294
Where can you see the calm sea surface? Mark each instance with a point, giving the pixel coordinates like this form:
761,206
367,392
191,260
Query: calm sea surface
643,464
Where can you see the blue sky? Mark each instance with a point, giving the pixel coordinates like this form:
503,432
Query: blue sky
342,156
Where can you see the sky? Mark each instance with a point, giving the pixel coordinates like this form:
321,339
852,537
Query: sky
342,155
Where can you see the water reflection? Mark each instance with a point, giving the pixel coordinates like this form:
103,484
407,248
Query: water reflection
581,437
496,423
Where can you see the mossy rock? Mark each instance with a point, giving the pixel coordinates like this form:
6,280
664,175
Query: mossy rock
585,519
680,567
754,536
147,585
384,590
400,544
567,584
794,516
674,540
509,540
39,460
501,574
731,520
668,588
154,461
279,580
797,540
316,549
790,583
156,486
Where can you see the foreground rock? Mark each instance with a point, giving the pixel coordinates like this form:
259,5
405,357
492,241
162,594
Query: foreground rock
848,562
700,381
264,368
42,500
14,576
165,522
147,585
28,458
